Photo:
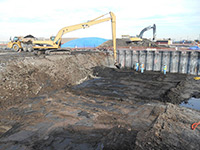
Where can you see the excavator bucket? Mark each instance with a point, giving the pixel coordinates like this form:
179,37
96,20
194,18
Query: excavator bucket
117,65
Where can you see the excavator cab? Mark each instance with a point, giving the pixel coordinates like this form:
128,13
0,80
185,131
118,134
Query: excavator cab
15,39
52,38
14,44
135,39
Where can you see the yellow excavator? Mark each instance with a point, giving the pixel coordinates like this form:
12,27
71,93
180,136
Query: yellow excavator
139,37
55,41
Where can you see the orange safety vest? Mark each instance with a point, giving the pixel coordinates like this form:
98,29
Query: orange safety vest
142,66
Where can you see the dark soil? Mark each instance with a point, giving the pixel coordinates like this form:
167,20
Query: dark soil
75,102
129,85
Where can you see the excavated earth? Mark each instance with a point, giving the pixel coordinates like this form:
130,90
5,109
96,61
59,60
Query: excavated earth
80,101
126,43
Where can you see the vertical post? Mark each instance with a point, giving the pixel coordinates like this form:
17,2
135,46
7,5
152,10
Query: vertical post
124,58
142,57
135,58
184,60
131,59
198,63
138,56
121,58
188,62
161,61
113,20
157,61
145,60
179,61
193,62
153,60
170,60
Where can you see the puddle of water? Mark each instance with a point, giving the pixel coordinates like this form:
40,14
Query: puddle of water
193,103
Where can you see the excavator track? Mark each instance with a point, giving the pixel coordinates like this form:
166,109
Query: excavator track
58,51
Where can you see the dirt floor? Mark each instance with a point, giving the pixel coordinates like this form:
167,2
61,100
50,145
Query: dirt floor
74,101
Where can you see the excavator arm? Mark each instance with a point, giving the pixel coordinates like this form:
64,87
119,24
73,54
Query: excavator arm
57,40
148,28
138,38
154,32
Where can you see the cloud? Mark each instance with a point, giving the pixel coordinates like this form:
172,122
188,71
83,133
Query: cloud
44,18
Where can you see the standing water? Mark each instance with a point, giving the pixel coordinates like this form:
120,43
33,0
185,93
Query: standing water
193,103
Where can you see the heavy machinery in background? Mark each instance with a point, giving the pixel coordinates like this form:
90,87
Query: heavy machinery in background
139,37
55,41
21,43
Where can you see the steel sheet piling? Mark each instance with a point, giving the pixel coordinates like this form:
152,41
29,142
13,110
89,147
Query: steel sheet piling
186,62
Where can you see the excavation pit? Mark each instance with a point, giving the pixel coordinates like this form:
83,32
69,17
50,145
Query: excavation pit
81,101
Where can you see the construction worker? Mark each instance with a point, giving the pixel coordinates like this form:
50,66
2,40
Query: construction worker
142,68
165,69
137,66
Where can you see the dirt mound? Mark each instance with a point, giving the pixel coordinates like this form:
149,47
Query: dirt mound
127,43
27,77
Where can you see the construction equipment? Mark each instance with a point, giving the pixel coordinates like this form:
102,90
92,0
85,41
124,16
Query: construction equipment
196,78
21,43
55,42
139,37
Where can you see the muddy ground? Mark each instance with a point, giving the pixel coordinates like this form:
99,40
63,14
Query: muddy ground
75,101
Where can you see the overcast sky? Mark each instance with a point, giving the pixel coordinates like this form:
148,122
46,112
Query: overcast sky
176,19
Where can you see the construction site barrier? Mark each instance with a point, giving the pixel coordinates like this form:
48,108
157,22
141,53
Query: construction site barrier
186,62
